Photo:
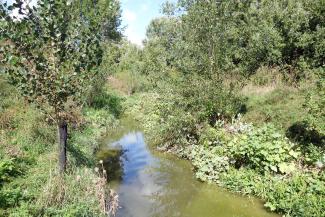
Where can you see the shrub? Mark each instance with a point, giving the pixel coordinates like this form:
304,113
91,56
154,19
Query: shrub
301,195
315,104
303,133
211,136
8,169
264,149
188,105
209,163
206,99
10,197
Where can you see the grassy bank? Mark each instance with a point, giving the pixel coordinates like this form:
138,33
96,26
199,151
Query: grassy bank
30,184
252,154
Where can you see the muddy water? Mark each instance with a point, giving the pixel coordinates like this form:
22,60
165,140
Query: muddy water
152,184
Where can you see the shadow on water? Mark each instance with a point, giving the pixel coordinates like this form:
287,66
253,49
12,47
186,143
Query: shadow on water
153,184
112,163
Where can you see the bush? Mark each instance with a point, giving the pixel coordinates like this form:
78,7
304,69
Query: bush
10,197
108,101
8,169
304,134
209,163
299,187
301,195
264,149
188,105
315,104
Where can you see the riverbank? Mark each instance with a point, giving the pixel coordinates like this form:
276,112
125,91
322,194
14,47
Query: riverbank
152,183
29,181
240,157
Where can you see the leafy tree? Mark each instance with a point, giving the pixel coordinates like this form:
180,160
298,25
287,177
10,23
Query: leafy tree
53,51
2,28
224,36
159,53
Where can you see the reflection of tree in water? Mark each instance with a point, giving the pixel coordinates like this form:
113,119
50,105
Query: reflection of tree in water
112,163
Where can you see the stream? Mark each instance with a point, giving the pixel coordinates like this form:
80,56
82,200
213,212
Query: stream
154,184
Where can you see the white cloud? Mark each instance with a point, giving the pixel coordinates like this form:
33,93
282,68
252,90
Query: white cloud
129,16
131,32
133,36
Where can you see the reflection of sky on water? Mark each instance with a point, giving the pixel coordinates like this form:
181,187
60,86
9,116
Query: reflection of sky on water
164,186
138,184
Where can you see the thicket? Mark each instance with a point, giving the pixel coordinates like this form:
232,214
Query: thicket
203,68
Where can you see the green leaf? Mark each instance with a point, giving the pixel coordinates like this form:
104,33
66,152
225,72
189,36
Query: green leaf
274,168
287,168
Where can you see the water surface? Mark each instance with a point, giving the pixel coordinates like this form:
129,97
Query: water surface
152,184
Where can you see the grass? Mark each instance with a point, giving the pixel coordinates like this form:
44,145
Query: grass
31,185
274,97
281,105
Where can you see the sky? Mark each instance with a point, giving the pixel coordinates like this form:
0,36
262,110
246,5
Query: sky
136,16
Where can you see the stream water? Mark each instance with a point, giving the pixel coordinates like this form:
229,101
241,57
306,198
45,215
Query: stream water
153,184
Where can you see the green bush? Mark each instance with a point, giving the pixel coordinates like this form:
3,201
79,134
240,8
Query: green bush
209,163
8,169
186,106
10,197
211,136
264,149
206,99
301,195
315,104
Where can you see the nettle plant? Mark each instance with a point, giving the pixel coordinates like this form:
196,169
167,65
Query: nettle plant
50,53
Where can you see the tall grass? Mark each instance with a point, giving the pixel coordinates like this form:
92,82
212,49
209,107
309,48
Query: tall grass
34,187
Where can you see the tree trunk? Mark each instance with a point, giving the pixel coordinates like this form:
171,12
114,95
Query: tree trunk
63,137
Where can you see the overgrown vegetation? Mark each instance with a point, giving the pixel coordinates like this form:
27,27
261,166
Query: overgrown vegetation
50,52
50,56
237,88
29,180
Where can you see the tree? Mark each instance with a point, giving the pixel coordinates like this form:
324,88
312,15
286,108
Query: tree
220,37
52,51
159,51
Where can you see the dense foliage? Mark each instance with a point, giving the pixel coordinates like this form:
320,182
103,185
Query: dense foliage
244,35
315,104
49,59
51,52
